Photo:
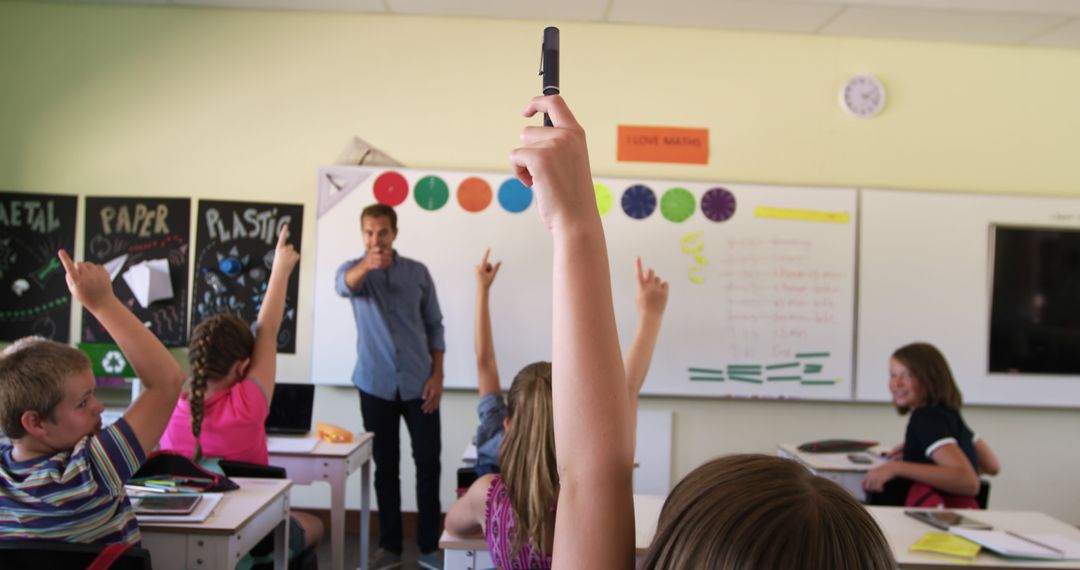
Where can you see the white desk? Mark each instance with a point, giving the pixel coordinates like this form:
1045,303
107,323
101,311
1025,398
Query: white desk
333,463
835,467
237,524
472,554
902,531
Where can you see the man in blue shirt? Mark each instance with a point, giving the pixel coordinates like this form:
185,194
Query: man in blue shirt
399,372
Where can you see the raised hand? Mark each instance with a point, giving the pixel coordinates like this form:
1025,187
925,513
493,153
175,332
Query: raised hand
285,255
554,161
486,271
652,292
88,282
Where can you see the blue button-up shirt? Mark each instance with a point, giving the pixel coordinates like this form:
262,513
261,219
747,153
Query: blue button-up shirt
398,325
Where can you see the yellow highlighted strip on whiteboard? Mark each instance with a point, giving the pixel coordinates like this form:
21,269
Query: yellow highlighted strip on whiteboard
801,215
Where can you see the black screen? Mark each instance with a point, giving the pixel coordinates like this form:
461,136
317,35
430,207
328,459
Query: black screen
1035,308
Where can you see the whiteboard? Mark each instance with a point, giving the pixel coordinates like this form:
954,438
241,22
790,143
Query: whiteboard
761,304
925,274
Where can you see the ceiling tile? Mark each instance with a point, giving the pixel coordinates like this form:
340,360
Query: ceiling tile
727,14
1051,7
586,10
939,25
313,5
1066,35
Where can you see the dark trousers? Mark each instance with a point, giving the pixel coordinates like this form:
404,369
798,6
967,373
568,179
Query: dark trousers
383,418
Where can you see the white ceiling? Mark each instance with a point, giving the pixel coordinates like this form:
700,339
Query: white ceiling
1043,23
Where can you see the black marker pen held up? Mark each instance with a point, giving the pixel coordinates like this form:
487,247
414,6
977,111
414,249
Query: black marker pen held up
549,65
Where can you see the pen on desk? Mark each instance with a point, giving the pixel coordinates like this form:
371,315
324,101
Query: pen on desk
130,487
1035,542
549,65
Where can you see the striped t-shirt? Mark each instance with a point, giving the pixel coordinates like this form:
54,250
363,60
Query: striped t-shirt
73,496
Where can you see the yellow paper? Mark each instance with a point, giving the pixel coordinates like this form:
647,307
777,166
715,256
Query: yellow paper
801,215
946,543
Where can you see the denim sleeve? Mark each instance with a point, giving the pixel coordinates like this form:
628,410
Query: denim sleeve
340,286
492,412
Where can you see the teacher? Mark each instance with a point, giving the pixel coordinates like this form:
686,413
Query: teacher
399,373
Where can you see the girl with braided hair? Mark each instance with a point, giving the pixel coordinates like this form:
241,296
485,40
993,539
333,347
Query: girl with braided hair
223,411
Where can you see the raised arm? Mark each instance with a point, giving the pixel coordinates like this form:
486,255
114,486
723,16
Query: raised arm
487,372
593,436
157,370
652,296
263,367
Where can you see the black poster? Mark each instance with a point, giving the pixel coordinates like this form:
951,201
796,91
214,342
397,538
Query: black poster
234,250
34,298
144,245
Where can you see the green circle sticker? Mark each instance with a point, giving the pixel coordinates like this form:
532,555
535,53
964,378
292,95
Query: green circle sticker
604,200
431,193
677,205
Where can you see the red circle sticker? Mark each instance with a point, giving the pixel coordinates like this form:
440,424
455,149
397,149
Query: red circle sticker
391,188
474,194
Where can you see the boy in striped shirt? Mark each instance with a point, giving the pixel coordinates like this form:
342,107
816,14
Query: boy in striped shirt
63,476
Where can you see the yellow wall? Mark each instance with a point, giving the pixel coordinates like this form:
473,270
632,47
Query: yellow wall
246,105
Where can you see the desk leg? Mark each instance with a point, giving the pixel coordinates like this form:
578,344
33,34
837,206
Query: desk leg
335,475
281,543
365,512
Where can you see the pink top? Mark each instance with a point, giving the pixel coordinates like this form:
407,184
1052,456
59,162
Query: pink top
233,425
499,533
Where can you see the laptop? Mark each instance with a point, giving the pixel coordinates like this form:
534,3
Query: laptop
290,410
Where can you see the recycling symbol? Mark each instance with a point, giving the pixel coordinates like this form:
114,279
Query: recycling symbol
113,362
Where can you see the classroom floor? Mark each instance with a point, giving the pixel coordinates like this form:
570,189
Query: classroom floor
352,555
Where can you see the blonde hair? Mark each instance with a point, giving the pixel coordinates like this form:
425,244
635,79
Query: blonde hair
33,377
759,511
929,368
217,343
527,456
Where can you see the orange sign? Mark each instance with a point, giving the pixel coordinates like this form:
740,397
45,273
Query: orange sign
663,144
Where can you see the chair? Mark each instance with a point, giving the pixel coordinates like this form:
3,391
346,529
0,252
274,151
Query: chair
895,494
35,554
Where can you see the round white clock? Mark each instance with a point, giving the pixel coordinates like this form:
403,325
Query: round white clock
863,96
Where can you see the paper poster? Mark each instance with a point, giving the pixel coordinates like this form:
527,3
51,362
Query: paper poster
234,251
144,245
34,298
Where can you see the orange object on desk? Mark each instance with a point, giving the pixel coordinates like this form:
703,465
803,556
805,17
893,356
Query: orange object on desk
332,433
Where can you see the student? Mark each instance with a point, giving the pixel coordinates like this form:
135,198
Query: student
524,495
940,460
591,405
63,477
652,294
760,511
223,414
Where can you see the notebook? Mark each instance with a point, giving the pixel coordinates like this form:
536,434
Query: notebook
1017,545
290,410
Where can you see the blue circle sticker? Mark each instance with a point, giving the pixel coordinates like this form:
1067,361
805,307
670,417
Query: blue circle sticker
639,201
514,196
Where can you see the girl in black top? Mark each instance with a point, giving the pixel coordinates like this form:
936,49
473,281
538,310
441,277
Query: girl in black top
941,457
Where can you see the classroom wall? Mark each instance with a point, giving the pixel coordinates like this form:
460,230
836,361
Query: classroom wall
128,100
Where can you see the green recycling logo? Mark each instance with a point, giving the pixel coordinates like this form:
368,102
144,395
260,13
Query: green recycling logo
113,362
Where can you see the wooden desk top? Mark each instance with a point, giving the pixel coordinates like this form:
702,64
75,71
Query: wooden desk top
327,449
646,513
234,511
902,531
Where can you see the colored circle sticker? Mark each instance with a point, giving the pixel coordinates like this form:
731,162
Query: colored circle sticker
514,196
604,201
639,201
431,193
718,204
474,194
677,205
391,188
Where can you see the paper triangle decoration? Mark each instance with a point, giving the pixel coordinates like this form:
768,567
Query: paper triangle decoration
149,281
115,265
